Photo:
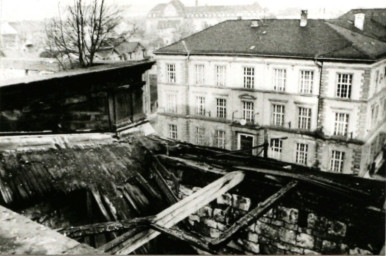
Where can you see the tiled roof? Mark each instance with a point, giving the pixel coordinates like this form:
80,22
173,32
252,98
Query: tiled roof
280,38
374,25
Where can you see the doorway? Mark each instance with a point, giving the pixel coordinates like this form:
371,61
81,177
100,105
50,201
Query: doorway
244,142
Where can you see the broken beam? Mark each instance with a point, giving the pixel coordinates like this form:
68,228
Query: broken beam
180,210
99,228
187,237
259,210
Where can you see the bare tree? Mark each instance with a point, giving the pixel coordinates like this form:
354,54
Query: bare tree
82,30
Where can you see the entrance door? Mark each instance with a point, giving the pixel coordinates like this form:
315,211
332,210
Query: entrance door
245,141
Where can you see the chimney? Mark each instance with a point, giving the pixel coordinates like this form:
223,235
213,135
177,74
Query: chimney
303,18
254,23
359,21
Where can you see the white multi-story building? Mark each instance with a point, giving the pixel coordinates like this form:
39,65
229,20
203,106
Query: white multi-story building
315,89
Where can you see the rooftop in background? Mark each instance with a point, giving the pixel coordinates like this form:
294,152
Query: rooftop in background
69,73
281,38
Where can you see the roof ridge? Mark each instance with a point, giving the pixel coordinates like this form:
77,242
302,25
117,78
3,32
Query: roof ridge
196,33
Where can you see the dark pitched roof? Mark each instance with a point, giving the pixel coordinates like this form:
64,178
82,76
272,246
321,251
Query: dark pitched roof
374,25
280,38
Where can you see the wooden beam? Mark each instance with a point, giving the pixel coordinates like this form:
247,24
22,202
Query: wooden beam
180,210
102,208
257,212
170,196
99,228
182,235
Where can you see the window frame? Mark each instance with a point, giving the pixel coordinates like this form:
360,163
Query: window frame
221,109
199,71
301,153
248,113
279,83
220,78
337,162
276,149
171,73
249,77
171,107
339,90
275,115
306,86
219,141
341,127
200,135
173,133
304,119
200,105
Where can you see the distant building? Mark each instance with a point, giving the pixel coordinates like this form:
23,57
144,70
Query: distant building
122,50
315,89
9,37
166,18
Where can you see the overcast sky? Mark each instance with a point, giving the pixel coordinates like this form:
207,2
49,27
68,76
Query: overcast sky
40,9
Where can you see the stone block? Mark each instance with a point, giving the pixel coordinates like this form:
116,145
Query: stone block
311,220
359,251
194,218
305,241
221,226
328,247
253,237
278,223
242,203
343,249
282,246
205,212
214,233
290,226
249,246
337,228
310,252
225,199
252,227
265,220
267,230
287,235
289,215
269,214
296,250
210,222
219,215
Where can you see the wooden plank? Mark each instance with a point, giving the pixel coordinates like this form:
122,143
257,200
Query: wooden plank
112,209
141,180
179,211
99,228
102,208
257,212
129,199
182,235
170,196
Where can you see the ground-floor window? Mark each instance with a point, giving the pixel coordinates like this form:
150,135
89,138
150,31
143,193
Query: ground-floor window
337,161
200,135
219,139
301,153
276,148
173,131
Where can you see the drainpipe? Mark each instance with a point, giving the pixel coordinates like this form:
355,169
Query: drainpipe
319,110
187,90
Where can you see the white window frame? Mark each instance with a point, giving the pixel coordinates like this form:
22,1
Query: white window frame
171,102
276,148
337,161
304,118
279,79
220,75
301,153
171,73
200,105
249,77
248,110
341,123
246,135
344,85
199,74
219,138
278,117
221,107
200,135
306,81
173,132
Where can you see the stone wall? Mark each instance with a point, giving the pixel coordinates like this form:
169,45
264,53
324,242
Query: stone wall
281,230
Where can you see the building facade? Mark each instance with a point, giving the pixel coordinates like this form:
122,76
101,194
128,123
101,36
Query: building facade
319,104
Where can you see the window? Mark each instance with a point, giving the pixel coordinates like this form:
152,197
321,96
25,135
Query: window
200,103
171,73
341,124
220,75
248,111
171,102
278,115
200,74
276,148
219,139
304,118
343,88
301,153
279,79
337,160
306,81
173,131
249,77
221,108
200,135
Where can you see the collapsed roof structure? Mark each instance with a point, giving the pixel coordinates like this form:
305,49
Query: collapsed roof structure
118,195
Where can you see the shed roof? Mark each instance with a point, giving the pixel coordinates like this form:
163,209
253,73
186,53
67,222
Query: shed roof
281,38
